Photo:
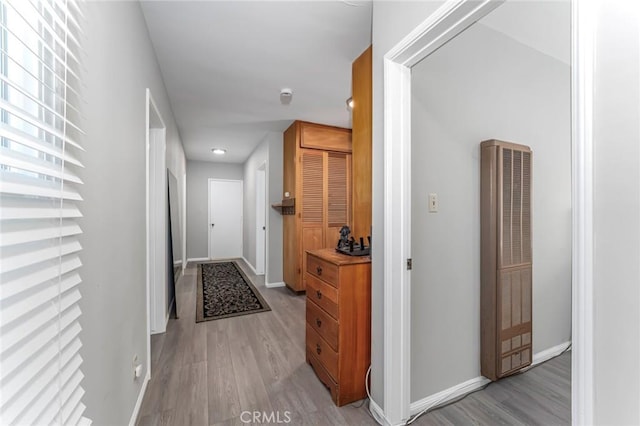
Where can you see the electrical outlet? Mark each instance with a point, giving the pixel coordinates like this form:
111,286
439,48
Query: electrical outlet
433,203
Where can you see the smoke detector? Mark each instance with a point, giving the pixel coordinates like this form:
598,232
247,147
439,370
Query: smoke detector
285,96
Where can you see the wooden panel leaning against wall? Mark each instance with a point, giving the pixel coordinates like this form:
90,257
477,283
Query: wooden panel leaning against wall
317,186
361,92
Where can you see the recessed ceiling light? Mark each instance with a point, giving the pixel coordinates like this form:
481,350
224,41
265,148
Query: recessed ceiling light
219,151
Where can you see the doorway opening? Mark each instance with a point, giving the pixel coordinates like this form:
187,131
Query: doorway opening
261,219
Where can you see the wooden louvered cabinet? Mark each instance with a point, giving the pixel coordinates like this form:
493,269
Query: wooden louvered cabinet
506,261
317,174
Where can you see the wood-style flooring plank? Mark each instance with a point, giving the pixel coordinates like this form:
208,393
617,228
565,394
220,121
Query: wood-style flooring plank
251,389
192,404
224,402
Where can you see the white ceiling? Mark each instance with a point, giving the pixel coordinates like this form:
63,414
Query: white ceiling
225,62
541,25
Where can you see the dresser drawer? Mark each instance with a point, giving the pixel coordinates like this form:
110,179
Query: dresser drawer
323,324
323,352
323,295
326,271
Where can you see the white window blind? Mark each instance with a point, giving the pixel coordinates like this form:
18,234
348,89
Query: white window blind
40,139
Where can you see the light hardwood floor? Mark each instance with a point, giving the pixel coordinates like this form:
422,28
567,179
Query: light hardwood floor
210,373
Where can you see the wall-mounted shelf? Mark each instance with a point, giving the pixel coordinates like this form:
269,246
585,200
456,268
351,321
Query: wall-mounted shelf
286,207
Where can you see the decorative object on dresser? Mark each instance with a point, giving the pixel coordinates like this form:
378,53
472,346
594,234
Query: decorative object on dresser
338,336
349,246
506,261
317,193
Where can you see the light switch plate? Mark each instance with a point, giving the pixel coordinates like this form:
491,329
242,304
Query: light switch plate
433,203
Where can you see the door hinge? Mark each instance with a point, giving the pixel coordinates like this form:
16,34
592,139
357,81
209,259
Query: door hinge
409,264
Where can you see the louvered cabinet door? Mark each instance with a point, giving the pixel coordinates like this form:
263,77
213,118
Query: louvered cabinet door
338,196
312,217
506,261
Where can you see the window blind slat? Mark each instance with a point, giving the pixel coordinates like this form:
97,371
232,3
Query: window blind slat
14,258
13,283
43,372
38,144
16,355
72,394
59,21
52,65
16,207
21,232
75,416
34,352
21,12
11,183
71,90
11,158
22,332
33,99
34,121
26,387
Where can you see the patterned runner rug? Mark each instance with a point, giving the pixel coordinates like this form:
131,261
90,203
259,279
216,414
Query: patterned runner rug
225,291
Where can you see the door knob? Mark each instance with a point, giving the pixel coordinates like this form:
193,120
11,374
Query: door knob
213,224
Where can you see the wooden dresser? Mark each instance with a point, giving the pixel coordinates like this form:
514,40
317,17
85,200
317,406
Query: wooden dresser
338,337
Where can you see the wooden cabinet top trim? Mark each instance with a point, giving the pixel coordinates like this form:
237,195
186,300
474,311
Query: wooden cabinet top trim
325,138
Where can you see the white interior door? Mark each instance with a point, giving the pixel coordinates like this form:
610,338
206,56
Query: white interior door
261,222
225,219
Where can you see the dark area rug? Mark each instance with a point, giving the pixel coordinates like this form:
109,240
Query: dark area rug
225,291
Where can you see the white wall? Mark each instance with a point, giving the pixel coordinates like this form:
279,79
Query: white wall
483,85
198,175
120,65
616,180
268,152
391,22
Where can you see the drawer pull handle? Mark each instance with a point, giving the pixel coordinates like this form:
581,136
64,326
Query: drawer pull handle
318,322
318,349
319,270
318,294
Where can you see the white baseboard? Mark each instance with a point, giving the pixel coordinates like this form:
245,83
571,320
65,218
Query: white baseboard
447,395
547,354
275,285
250,266
378,414
136,409
198,259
